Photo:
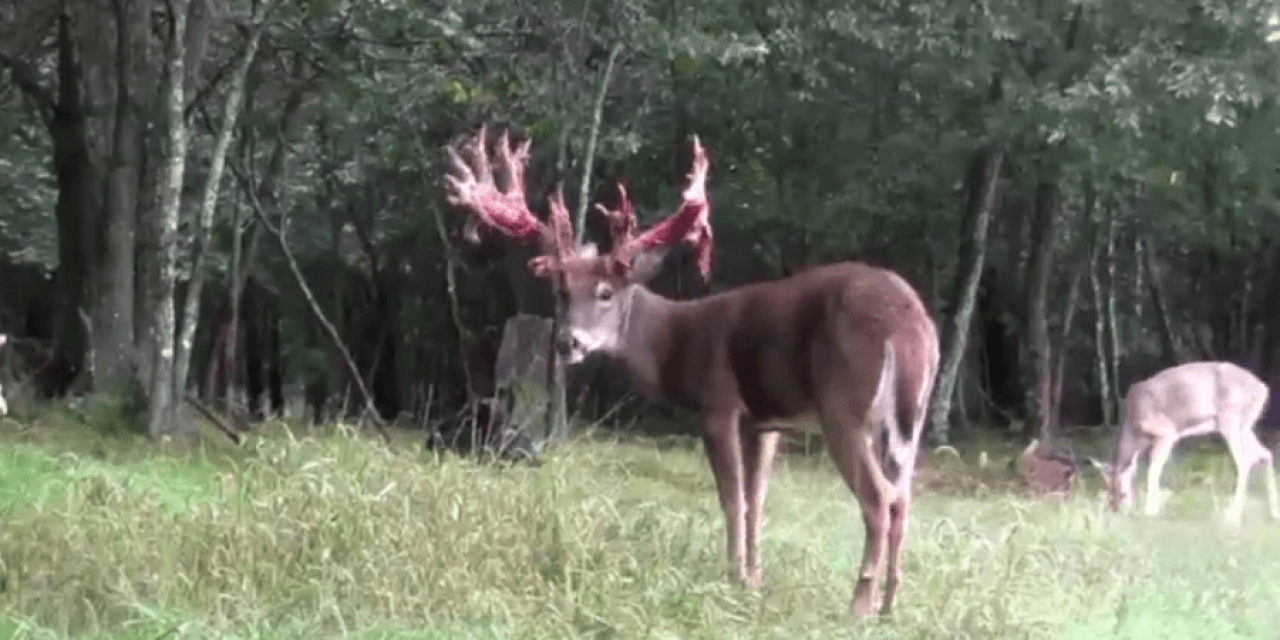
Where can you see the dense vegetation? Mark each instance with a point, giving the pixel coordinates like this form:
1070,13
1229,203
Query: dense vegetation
1084,192
318,533
233,210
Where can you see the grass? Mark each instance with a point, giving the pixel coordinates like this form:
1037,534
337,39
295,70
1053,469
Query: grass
325,534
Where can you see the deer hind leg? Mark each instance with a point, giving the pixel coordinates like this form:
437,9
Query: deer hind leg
758,449
1265,459
1160,450
849,444
1246,452
899,516
722,436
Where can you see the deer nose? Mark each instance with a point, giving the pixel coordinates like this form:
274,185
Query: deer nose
566,344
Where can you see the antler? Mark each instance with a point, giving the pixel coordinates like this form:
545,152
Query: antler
691,222
622,221
471,185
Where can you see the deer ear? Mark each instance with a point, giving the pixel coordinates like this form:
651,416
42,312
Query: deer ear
646,265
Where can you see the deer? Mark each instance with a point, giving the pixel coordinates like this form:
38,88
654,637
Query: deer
846,349
1189,400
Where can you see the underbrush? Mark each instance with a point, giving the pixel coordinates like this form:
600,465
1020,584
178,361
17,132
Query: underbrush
326,533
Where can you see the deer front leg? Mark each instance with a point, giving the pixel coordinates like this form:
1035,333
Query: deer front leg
758,450
723,441
1160,451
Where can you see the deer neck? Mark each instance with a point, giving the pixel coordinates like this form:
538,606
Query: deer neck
646,337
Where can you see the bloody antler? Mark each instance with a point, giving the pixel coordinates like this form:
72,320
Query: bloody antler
471,185
691,222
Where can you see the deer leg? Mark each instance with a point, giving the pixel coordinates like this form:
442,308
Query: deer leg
899,516
723,440
1265,459
1261,456
1160,451
850,449
1244,462
1247,452
1269,473
758,449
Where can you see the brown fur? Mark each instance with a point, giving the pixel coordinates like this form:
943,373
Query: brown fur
847,345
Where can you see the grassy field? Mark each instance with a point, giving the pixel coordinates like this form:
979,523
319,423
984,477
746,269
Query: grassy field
323,534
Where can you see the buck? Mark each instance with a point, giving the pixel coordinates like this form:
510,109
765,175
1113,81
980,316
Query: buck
847,347
1188,400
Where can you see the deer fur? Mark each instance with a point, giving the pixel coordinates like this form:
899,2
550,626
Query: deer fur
1189,400
847,348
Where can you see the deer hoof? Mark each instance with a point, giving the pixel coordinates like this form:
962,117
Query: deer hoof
1233,517
864,599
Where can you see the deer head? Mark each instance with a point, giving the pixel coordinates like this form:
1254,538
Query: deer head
596,291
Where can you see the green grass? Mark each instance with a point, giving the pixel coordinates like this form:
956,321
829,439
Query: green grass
323,534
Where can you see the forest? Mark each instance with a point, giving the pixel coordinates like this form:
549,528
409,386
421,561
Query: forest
242,202
249,339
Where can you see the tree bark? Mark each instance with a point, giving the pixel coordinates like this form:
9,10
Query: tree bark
1062,348
1038,369
112,311
160,418
1100,329
208,204
1113,325
76,178
1173,351
981,188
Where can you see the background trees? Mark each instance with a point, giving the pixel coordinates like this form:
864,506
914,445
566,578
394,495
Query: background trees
1085,192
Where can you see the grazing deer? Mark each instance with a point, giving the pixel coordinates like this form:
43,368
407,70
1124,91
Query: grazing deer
847,346
1193,399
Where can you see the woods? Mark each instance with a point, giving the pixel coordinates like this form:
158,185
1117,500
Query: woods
240,201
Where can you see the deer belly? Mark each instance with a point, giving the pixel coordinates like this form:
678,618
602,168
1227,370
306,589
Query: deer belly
804,423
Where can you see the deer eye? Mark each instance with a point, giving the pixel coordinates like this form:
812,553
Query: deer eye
604,292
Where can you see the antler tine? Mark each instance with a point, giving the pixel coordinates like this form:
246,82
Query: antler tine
513,162
622,221
697,178
561,226
471,186
691,223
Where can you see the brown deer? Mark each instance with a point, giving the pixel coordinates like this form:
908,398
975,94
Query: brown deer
846,346
1188,400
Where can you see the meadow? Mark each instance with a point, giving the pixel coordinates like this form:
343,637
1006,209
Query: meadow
326,533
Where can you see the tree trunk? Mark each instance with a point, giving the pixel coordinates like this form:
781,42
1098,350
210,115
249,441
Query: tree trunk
244,253
981,188
1113,325
1100,330
160,418
1063,347
208,204
1037,370
112,311
1173,351
76,177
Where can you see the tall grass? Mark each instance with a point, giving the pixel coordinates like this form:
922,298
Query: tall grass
325,534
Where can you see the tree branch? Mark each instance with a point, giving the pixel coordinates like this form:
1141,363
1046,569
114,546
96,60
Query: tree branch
370,411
